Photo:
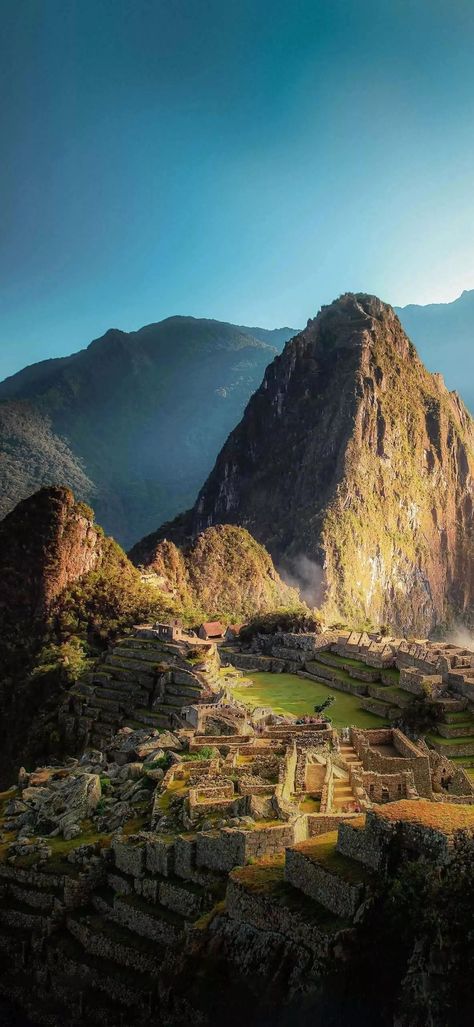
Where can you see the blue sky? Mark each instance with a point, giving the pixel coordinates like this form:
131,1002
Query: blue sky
224,158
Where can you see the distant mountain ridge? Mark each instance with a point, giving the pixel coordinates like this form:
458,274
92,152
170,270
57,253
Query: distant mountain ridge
134,422
443,333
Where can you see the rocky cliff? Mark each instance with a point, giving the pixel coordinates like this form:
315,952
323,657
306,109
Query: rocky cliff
65,588
354,459
224,571
47,542
134,422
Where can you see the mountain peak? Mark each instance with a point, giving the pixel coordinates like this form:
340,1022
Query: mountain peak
352,456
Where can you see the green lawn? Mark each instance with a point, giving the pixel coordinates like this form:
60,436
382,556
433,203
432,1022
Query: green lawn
287,693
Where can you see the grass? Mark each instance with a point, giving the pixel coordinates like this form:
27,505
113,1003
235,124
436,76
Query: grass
206,919
309,805
440,816
459,717
61,847
465,739
288,693
334,660
176,790
391,672
322,850
266,879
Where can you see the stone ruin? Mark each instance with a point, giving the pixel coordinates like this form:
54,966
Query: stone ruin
199,816
118,866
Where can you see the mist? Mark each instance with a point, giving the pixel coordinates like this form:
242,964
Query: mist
307,576
460,635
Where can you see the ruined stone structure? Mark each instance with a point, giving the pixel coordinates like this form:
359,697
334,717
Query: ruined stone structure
209,824
143,681
387,674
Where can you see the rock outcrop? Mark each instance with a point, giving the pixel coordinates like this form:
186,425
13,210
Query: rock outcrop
47,542
62,582
352,456
223,571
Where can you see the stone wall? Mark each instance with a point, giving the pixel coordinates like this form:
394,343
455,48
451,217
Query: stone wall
317,824
387,787
258,910
360,844
409,756
332,891
287,770
231,847
449,778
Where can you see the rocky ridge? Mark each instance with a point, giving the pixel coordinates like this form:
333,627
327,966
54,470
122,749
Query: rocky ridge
352,456
46,543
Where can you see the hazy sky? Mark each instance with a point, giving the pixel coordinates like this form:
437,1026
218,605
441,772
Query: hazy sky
226,158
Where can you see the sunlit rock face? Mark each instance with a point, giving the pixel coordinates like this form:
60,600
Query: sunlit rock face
353,456
222,569
47,542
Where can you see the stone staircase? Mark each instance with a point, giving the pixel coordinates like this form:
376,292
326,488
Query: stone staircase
342,790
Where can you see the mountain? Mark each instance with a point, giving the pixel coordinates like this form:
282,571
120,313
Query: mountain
46,542
224,572
134,422
354,464
67,591
444,336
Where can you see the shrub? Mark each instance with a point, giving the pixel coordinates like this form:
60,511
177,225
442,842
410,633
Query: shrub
298,619
208,752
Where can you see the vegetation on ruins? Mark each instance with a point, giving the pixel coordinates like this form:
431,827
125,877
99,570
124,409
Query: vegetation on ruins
207,752
419,717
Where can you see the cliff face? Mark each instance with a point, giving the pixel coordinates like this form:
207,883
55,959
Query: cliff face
61,580
353,456
47,542
134,422
224,571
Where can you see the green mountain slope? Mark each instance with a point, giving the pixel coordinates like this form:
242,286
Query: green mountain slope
134,422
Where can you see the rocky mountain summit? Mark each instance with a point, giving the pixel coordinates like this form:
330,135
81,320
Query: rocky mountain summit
134,422
352,456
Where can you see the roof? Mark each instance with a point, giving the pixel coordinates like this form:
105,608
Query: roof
235,628
439,816
213,627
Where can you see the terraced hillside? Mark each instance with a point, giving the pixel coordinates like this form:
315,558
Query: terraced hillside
382,688
142,682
